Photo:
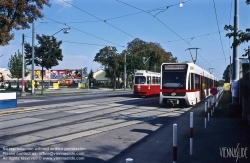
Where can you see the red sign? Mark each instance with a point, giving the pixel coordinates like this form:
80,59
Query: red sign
175,67
213,91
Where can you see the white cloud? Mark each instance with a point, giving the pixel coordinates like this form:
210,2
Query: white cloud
62,3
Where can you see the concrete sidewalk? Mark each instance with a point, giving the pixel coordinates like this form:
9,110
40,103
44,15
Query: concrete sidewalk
211,144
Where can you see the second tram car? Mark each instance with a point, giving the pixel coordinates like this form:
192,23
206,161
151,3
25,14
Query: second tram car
147,83
185,83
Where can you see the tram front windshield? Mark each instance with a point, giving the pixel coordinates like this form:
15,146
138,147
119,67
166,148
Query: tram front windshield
140,80
174,79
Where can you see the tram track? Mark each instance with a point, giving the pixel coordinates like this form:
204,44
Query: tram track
125,119
95,117
26,114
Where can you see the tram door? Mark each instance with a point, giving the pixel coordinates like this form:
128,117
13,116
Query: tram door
201,88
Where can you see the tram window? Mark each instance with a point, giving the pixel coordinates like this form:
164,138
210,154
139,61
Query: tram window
205,82
148,80
154,80
197,81
157,81
192,80
191,75
140,80
174,79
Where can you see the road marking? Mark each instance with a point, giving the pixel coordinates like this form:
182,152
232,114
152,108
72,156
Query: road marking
21,101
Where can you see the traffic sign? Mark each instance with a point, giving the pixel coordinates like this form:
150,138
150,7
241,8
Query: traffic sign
213,91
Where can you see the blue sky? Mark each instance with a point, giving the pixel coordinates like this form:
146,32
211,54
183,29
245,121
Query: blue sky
173,28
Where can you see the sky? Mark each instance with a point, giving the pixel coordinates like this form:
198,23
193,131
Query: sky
95,24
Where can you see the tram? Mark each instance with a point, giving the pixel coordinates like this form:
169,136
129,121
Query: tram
147,83
184,84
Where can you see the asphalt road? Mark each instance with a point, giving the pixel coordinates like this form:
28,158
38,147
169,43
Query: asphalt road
112,128
65,95
74,117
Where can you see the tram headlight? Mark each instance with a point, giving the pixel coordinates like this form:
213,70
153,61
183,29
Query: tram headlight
174,93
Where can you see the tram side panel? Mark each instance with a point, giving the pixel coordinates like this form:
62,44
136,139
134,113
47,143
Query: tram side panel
146,90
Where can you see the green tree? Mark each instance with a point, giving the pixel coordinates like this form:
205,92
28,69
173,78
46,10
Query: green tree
156,55
17,14
91,75
46,55
108,57
153,52
221,82
91,78
242,37
15,66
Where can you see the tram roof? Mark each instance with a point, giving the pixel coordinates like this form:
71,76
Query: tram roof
146,72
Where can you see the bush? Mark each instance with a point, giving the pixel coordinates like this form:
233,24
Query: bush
36,84
27,85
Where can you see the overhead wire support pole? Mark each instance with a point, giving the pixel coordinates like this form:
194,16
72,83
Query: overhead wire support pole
32,67
235,73
194,60
23,93
125,75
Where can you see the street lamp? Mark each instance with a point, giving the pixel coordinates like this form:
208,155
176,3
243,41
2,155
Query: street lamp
65,31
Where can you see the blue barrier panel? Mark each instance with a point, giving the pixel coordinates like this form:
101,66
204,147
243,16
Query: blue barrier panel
8,100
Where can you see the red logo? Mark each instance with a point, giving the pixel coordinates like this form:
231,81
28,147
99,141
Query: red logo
213,91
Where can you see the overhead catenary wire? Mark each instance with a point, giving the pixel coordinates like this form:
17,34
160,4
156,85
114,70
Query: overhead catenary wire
73,42
99,19
163,24
150,10
219,31
215,60
190,37
84,32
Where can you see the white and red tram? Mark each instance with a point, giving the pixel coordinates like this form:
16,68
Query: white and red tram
147,83
184,83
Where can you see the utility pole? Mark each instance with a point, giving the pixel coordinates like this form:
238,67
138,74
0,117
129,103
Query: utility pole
235,75
23,93
194,60
32,67
125,75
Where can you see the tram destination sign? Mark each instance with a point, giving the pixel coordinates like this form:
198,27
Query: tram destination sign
175,67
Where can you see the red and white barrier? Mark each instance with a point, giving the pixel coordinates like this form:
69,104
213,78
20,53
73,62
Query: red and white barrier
208,110
191,133
129,160
174,143
205,124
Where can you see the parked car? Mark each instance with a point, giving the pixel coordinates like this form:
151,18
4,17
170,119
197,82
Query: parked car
4,85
